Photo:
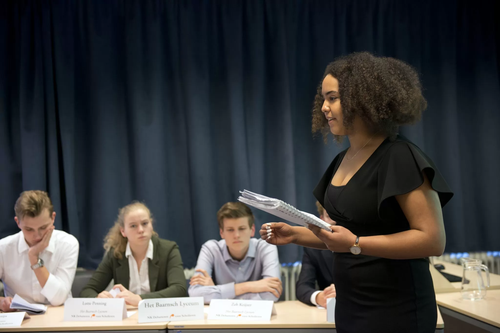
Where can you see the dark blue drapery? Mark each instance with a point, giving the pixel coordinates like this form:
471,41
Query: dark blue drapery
182,103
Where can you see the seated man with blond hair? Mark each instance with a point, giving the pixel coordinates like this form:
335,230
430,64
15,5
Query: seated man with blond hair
38,263
238,266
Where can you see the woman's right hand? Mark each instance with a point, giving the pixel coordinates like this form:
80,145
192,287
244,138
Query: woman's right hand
277,233
105,294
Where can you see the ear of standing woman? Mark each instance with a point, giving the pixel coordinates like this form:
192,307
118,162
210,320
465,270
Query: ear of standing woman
384,193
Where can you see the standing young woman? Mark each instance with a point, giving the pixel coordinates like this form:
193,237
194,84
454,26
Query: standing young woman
141,264
383,192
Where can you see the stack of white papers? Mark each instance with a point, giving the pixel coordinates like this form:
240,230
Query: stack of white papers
281,209
18,303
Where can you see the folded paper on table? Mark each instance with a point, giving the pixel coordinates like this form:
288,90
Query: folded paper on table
281,209
330,309
18,303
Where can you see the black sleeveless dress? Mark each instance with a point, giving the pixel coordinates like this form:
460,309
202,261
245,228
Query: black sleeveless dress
376,294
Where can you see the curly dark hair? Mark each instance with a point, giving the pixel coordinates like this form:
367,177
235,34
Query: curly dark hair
384,92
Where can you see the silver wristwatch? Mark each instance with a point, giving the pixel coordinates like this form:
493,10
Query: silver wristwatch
356,249
38,264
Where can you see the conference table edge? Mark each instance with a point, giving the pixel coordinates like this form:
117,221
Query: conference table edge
468,314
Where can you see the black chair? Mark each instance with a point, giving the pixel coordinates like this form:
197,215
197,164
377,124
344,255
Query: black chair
82,277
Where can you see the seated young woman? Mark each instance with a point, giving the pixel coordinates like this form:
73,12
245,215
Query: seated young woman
141,264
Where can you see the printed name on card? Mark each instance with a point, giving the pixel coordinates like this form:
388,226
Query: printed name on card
12,319
95,309
232,309
171,309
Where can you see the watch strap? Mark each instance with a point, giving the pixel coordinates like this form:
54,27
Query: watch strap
38,264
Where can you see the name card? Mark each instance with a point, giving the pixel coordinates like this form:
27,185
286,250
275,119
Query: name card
330,309
233,309
94,309
171,309
13,319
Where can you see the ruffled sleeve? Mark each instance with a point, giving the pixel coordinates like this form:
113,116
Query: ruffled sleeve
401,171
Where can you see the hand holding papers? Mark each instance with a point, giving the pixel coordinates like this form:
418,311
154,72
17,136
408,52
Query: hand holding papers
114,292
281,209
18,303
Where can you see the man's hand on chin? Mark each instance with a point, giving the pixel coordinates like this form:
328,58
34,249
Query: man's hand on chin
36,249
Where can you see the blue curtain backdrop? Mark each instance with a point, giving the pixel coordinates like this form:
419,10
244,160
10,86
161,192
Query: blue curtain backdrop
181,104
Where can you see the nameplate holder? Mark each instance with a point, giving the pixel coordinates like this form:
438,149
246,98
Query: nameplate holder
12,319
330,309
235,309
170,309
95,309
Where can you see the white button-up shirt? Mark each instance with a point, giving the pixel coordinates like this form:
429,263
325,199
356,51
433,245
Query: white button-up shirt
60,258
139,280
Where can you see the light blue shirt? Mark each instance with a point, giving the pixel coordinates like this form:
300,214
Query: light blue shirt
261,261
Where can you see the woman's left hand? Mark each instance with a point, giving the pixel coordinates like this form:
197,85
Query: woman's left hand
130,297
340,240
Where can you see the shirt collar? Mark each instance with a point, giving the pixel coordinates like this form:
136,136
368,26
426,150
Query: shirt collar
250,253
251,248
149,252
52,243
23,246
225,251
